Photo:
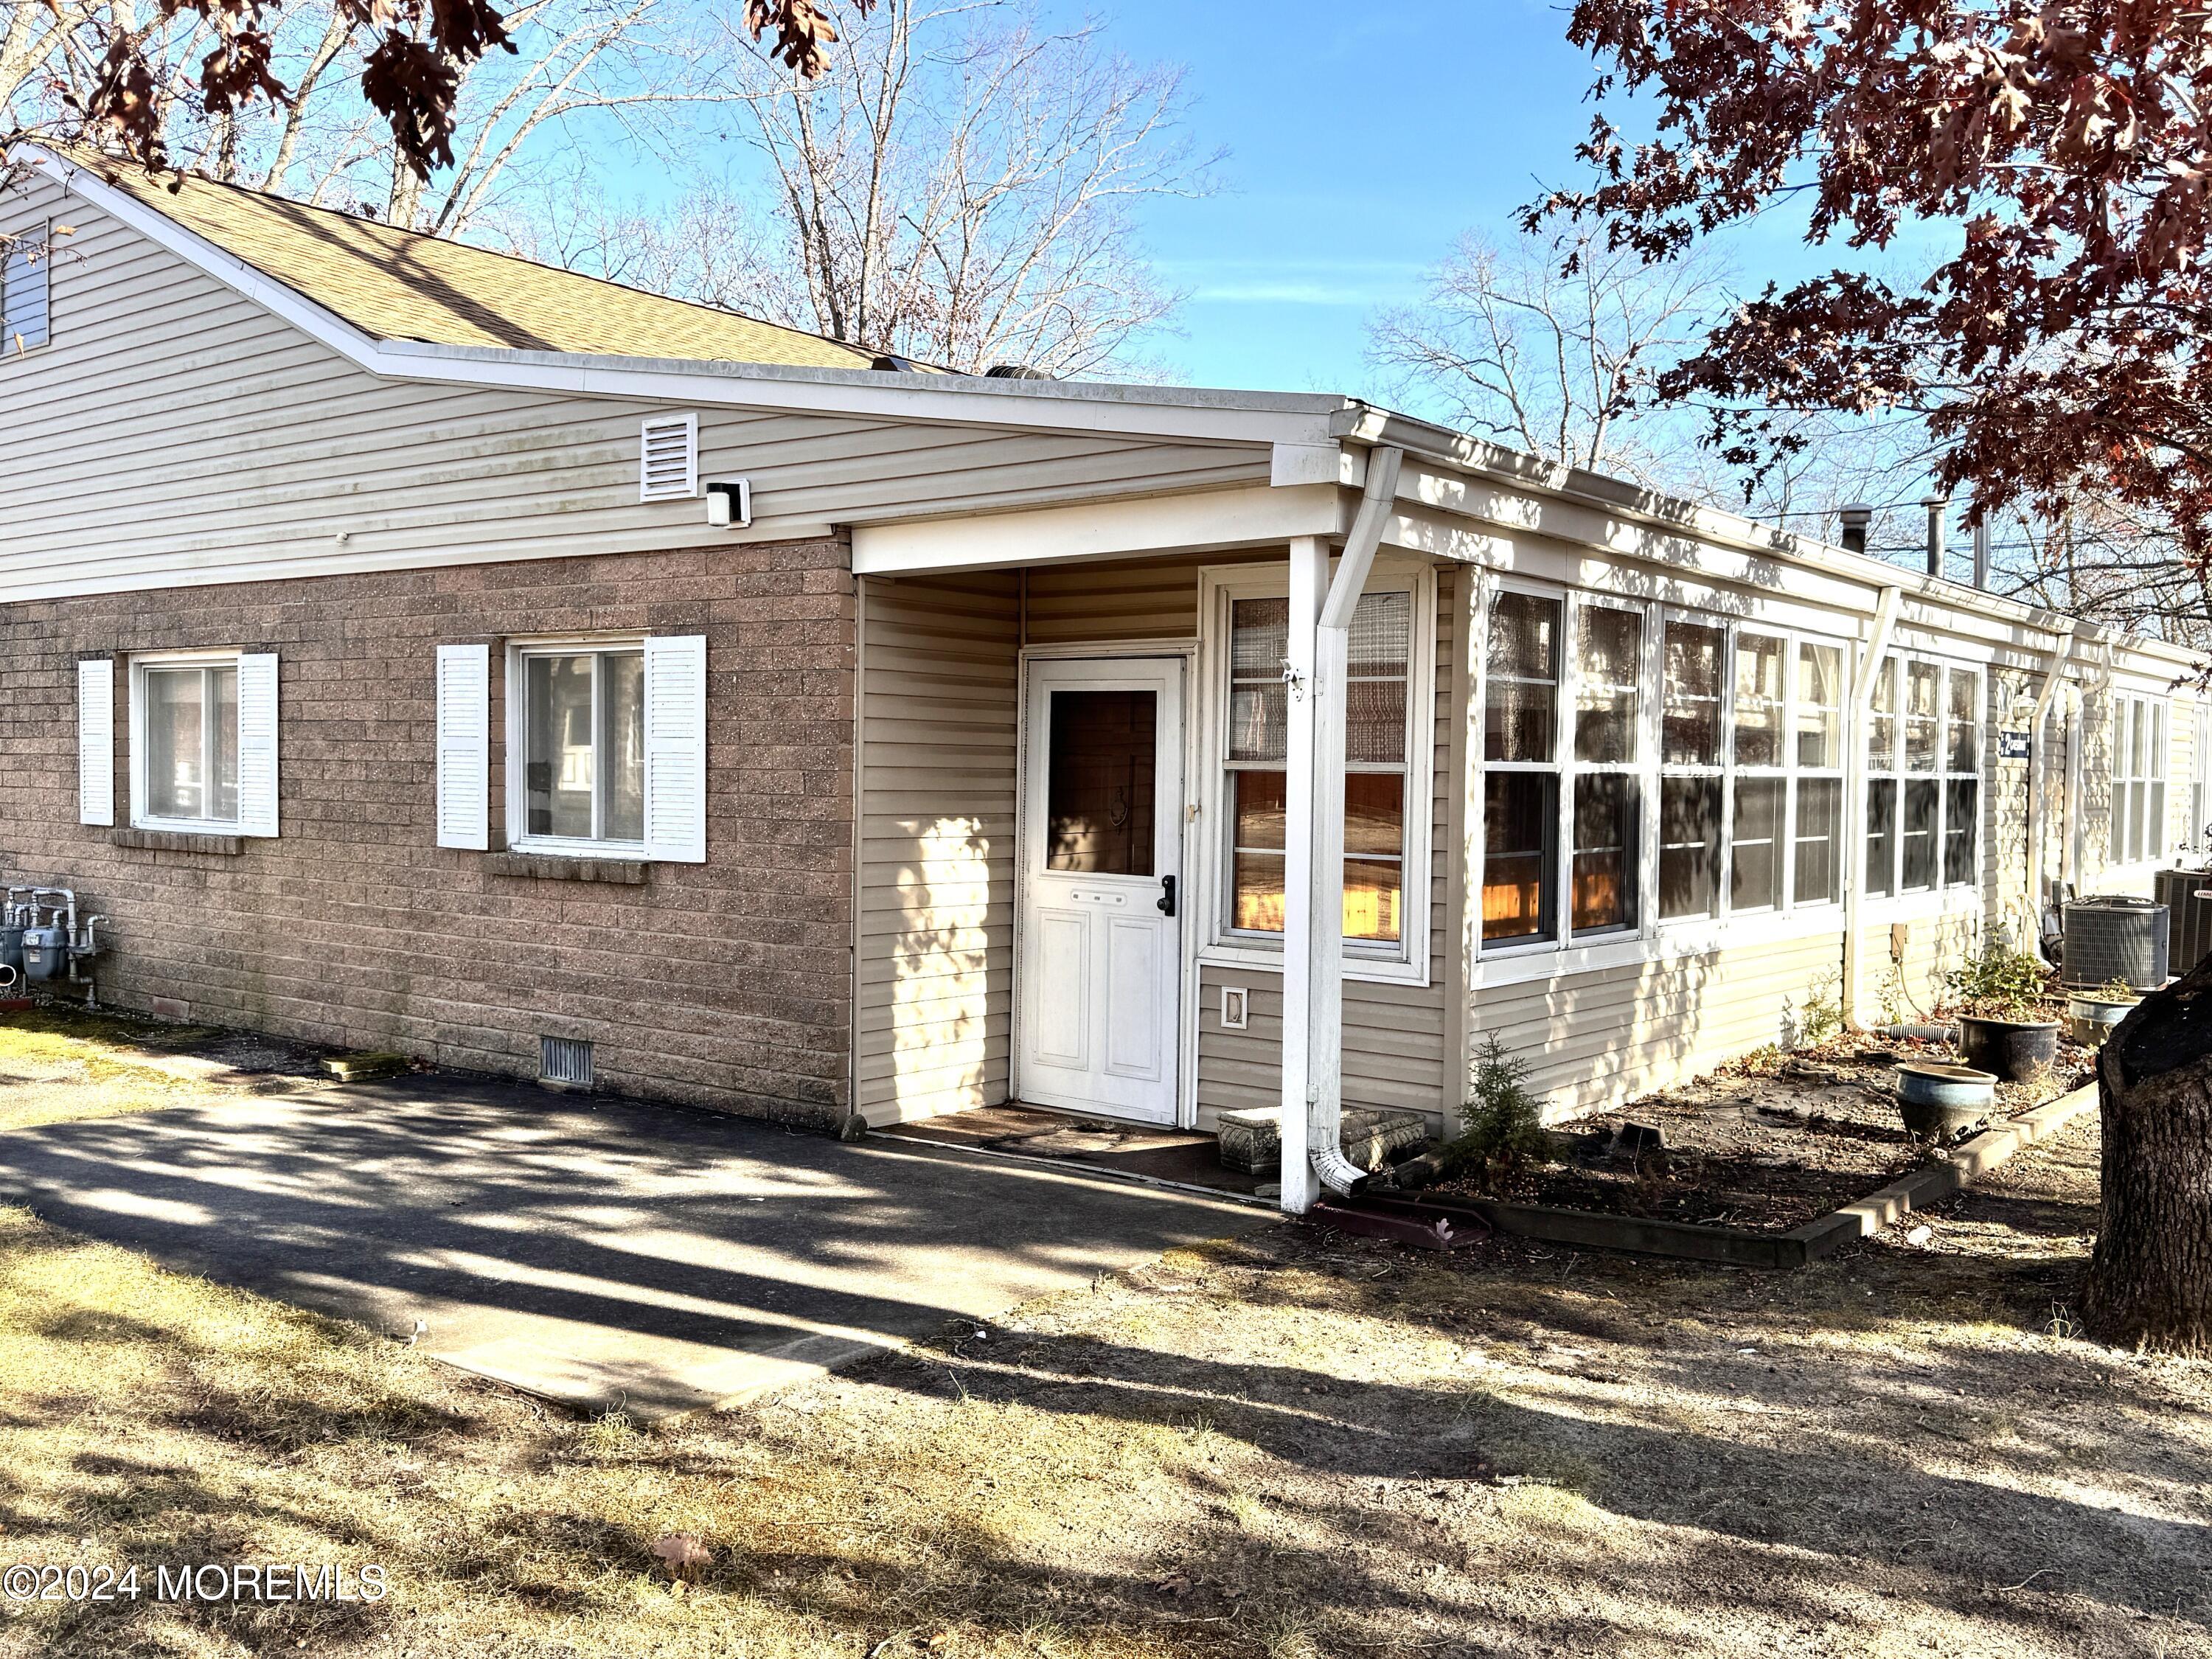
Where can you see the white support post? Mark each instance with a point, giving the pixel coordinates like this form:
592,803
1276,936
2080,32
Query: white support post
1302,1042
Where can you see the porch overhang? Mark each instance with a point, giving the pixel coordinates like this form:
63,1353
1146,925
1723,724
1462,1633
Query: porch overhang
1199,521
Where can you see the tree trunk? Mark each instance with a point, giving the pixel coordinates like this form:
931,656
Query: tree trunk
2150,1277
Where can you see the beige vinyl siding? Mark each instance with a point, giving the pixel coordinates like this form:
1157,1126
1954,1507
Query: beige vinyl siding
1912,989
1594,1040
1111,602
937,707
175,432
1393,1039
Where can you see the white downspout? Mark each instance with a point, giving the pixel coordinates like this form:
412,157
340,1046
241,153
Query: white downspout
1854,796
2070,850
2039,783
1313,840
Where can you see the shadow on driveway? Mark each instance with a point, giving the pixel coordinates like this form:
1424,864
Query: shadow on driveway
599,1253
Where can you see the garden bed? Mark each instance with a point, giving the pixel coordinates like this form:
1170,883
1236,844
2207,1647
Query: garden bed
1762,1145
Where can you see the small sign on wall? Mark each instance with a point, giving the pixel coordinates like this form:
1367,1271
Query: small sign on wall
2012,745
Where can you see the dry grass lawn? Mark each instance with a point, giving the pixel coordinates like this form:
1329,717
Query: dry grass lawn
1294,1446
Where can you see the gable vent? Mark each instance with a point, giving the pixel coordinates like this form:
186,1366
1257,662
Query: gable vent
565,1061
671,458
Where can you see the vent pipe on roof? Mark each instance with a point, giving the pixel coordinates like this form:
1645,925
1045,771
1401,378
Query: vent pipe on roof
1015,371
1938,508
1856,517
1982,555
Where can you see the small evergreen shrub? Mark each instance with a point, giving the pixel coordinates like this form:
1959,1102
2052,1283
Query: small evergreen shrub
1502,1125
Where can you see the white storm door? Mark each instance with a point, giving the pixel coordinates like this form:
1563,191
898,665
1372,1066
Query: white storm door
1101,900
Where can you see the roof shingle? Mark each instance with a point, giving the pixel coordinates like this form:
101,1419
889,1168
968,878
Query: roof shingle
398,284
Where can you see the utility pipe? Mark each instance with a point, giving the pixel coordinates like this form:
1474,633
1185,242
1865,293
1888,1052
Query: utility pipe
1312,1125
1855,795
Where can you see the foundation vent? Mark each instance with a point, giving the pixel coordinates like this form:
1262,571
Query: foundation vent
564,1060
670,459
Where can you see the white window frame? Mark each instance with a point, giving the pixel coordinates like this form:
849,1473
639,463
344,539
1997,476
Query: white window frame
2129,708
2194,838
1652,939
519,653
224,657
1944,896
39,259
1406,961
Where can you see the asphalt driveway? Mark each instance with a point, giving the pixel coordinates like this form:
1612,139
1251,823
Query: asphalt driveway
600,1253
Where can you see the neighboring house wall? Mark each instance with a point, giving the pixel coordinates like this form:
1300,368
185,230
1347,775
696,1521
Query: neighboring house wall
725,983
174,432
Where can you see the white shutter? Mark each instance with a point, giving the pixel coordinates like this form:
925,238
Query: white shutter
95,742
464,746
257,743
675,749
669,458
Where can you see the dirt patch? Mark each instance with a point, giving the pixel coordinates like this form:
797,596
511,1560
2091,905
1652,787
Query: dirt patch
1766,1144
60,1064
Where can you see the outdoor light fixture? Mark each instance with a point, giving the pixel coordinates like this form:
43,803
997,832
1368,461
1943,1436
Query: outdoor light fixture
729,503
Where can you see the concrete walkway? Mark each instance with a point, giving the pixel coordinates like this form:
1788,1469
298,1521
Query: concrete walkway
599,1252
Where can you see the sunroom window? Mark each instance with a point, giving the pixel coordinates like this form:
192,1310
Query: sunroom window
1692,785
1609,794
1375,748
1732,795
583,743
1521,784
2138,779
1923,778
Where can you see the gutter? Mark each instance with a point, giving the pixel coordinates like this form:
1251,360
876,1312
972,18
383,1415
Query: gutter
1440,445
1855,788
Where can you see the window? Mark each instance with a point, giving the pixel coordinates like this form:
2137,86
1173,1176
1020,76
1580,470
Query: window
1379,710
189,727
1692,785
1731,796
1608,845
1521,782
1923,778
203,743
2139,747
583,743
1817,804
2196,835
605,746
23,292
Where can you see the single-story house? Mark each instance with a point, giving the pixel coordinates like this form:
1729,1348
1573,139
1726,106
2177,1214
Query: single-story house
414,647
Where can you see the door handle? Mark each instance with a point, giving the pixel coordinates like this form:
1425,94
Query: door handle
1165,902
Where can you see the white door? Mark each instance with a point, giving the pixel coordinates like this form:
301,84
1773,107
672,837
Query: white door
1102,874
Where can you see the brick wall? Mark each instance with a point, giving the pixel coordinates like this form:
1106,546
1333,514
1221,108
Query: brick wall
726,984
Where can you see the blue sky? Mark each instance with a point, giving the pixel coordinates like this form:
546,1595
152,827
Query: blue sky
1362,141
